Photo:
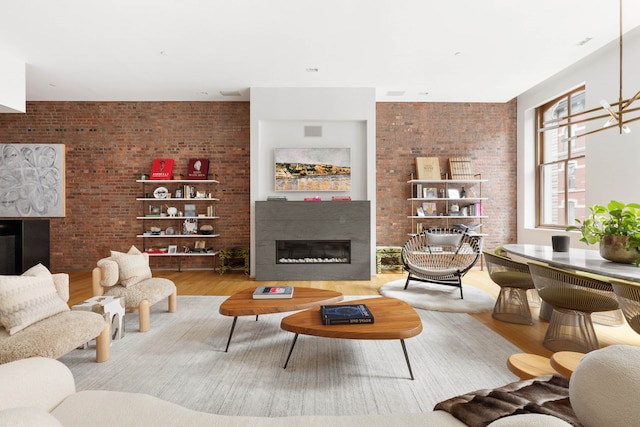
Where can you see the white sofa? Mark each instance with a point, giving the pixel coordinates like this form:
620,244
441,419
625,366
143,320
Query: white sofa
41,392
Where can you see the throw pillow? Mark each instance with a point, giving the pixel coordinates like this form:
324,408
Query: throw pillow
133,266
27,299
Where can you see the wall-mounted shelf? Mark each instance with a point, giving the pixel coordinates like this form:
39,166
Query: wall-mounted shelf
173,231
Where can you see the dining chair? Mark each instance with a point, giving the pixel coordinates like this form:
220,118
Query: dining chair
628,295
574,297
514,279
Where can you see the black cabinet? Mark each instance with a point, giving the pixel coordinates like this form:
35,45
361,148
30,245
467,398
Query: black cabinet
23,244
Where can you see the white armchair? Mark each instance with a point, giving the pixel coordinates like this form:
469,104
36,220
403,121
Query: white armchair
127,275
36,320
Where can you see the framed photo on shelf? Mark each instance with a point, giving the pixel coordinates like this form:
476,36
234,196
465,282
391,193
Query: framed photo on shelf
452,193
429,208
190,210
420,211
172,249
430,193
200,244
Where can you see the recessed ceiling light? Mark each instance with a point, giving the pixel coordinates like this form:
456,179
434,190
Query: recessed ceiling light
585,41
312,70
229,93
204,92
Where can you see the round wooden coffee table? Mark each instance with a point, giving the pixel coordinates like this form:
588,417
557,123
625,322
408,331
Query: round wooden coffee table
243,304
393,320
527,366
565,362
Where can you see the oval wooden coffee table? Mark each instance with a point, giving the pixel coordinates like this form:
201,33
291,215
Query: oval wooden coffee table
243,304
393,320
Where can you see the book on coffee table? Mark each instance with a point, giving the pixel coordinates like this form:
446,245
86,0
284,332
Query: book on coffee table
345,314
270,292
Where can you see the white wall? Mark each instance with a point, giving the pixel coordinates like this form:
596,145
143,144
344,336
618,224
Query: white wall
12,84
347,117
612,159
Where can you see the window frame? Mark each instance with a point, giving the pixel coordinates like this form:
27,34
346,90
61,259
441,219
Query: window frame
573,156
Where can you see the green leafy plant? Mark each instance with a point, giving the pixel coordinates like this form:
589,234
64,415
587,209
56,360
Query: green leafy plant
615,219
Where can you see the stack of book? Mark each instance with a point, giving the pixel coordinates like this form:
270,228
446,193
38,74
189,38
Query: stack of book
270,292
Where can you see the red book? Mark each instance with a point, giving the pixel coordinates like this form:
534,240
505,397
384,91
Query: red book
198,169
162,169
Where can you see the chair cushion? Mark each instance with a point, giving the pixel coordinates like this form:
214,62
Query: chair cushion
152,290
443,239
52,337
133,266
28,298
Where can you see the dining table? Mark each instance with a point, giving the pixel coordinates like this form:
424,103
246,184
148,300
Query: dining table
578,259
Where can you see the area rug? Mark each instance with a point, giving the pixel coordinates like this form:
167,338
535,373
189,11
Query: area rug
439,298
182,360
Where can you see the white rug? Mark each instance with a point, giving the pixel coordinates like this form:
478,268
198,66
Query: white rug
182,360
438,297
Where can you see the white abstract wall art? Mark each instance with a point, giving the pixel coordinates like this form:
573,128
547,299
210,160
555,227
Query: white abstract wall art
32,180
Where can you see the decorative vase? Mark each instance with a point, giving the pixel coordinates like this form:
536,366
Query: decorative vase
614,249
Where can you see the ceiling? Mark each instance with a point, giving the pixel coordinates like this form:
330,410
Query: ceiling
408,50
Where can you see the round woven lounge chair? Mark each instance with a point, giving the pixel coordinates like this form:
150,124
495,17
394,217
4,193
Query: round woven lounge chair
441,256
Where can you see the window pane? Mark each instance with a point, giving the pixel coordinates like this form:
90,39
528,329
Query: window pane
577,193
552,181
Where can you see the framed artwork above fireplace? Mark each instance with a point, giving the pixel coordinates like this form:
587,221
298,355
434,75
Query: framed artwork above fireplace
312,169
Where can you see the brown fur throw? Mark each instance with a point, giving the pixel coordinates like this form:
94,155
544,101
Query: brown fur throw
547,395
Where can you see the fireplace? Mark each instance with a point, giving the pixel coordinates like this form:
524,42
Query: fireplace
313,240
313,251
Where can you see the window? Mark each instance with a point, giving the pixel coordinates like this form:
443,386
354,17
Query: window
560,154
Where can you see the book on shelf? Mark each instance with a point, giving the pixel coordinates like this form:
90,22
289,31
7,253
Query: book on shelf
198,169
345,314
162,169
341,198
427,168
460,168
273,292
277,198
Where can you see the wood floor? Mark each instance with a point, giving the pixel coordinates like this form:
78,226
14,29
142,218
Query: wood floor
527,338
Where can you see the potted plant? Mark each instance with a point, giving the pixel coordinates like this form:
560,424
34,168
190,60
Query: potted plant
616,227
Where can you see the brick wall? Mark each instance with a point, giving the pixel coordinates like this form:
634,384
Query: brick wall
110,144
484,132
